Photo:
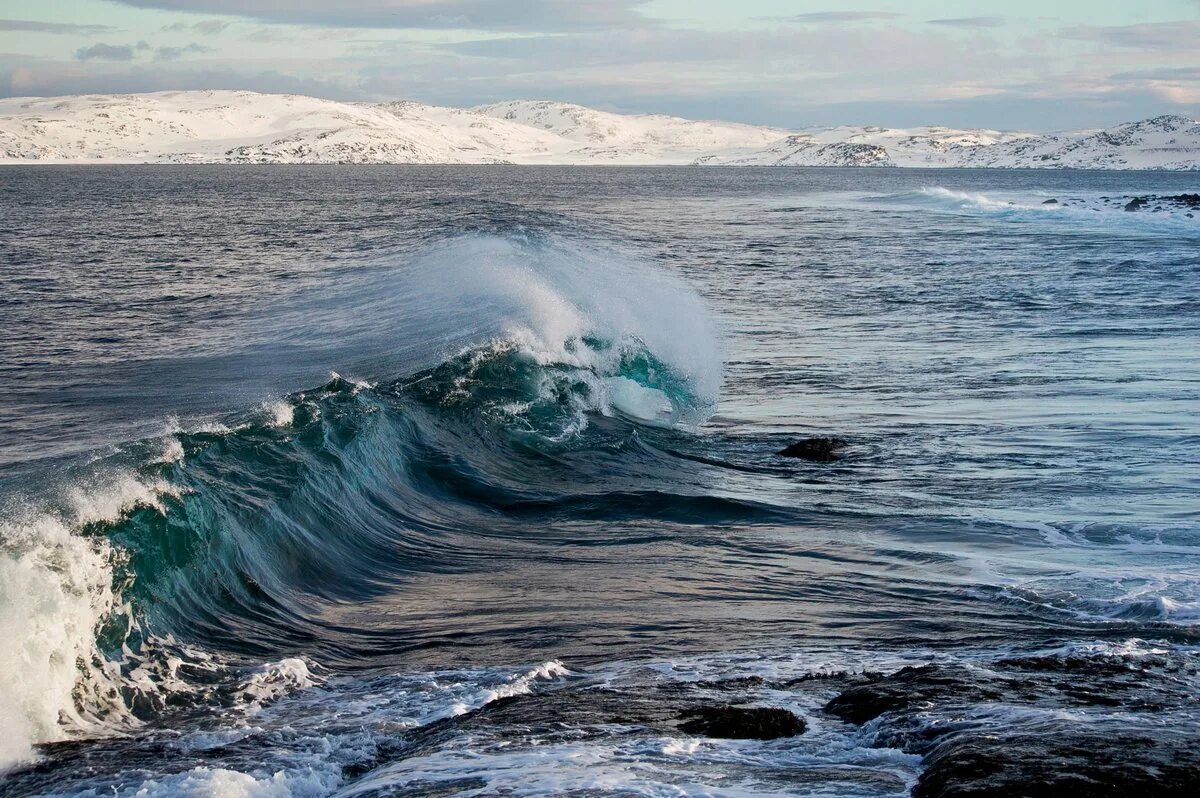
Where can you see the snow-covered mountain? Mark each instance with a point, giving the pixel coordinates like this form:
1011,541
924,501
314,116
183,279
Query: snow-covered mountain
247,127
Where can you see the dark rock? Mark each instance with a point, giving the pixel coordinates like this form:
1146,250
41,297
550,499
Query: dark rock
1082,764
911,686
742,723
1136,204
978,740
1190,200
821,450
736,683
1050,202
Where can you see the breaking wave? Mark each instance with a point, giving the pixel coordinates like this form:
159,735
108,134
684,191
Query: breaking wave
234,533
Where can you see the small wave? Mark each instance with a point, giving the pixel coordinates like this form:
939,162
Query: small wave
551,393
280,413
274,679
1138,600
1108,211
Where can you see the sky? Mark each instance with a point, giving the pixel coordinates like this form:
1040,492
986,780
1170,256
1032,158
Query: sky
1011,64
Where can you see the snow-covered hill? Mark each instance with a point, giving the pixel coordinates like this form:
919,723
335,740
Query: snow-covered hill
247,127
603,137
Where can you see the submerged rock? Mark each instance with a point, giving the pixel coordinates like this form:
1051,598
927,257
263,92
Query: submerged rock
1161,203
912,686
1081,764
820,450
1044,725
743,723
1050,202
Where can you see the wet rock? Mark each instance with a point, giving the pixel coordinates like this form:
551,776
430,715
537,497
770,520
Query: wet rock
1074,763
735,683
711,708
1136,204
821,450
1001,730
1050,202
1190,200
908,687
743,723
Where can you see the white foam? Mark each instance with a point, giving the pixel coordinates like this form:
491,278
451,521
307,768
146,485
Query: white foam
201,782
359,385
638,401
1088,210
546,299
279,413
624,759
55,591
523,683
274,679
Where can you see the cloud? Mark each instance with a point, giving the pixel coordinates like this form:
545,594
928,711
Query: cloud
970,22
1009,111
1181,35
32,26
1166,73
268,34
24,77
205,27
821,68
130,52
175,53
820,17
510,15
1178,85
110,52
787,59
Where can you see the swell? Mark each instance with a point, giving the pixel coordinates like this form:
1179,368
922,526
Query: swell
163,571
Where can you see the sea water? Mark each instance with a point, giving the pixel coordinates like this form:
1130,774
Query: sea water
464,480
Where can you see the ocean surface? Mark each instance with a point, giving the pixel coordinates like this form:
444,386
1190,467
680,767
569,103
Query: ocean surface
431,481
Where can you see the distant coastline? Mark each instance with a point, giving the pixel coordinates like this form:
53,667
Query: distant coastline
239,127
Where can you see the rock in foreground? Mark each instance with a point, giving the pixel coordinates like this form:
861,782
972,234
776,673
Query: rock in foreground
741,723
820,450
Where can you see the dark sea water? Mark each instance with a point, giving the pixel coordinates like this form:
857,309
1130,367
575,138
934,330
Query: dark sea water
374,481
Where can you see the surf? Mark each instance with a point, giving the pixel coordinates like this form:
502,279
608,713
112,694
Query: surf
231,532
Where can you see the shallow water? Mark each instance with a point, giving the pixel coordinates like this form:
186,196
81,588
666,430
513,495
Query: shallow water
463,480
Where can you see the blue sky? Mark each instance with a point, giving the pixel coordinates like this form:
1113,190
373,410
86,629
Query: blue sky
1027,64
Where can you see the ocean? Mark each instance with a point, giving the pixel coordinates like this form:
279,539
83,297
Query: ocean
429,481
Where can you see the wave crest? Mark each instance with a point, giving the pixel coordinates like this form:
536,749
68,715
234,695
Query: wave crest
237,531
